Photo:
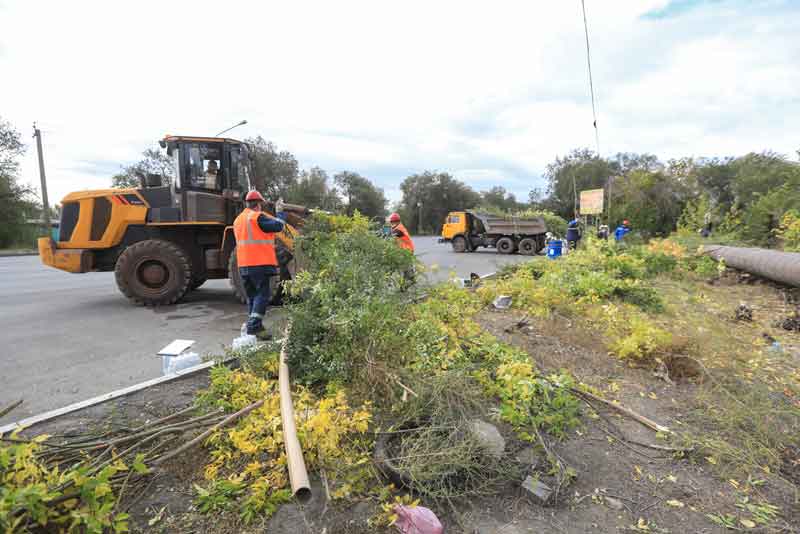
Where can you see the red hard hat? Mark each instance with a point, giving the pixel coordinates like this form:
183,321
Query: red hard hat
254,195
394,217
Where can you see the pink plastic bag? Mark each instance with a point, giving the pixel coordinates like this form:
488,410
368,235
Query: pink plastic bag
417,520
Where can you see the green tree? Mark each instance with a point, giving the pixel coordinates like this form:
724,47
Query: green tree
360,194
16,200
498,197
312,191
716,176
760,220
152,162
581,169
275,173
652,200
428,197
758,174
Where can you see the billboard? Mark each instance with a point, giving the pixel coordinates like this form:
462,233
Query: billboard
592,202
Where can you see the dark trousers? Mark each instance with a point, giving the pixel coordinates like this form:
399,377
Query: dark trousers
256,285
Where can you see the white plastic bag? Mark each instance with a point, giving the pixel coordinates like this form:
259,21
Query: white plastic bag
172,364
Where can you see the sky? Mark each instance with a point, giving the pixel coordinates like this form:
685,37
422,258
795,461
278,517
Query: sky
491,92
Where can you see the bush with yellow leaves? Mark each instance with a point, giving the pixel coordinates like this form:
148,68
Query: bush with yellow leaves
250,456
38,495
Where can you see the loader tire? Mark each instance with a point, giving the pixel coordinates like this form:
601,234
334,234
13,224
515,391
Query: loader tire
153,272
505,245
237,285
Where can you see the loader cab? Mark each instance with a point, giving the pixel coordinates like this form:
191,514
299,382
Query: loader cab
211,177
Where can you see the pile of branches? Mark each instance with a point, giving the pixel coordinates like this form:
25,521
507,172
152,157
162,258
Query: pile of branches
433,448
81,479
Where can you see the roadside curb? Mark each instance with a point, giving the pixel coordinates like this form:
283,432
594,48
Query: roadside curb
13,253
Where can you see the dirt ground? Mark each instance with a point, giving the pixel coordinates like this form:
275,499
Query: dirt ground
620,486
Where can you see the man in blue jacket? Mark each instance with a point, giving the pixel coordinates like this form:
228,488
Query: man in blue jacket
621,230
574,232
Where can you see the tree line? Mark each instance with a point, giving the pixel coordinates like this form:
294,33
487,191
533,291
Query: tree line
750,198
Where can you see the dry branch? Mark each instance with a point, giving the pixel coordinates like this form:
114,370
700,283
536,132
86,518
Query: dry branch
199,439
623,410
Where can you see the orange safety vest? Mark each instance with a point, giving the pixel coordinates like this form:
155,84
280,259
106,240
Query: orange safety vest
253,245
404,241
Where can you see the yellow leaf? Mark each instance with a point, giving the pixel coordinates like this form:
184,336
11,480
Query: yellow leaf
734,483
675,503
711,460
747,523
652,395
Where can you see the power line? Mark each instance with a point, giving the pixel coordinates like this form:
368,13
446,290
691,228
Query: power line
591,83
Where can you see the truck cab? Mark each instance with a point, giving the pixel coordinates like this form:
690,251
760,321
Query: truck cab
455,224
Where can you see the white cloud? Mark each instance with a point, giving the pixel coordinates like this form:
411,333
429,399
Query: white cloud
488,91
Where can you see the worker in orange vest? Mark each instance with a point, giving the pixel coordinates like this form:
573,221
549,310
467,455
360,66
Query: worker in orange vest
256,258
400,233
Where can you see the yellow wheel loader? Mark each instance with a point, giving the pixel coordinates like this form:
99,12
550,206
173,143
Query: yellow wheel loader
162,241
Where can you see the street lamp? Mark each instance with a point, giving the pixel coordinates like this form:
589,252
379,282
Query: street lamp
232,127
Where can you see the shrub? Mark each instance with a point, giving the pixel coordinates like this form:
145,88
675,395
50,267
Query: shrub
344,305
247,470
789,231
634,336
33,493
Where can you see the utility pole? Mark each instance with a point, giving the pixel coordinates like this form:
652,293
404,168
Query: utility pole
37,133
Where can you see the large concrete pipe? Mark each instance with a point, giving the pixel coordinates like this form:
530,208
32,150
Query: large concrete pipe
774,265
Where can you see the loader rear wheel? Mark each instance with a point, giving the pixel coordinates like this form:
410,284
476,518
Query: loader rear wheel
459,244
153,272
505,245
528,246
237,284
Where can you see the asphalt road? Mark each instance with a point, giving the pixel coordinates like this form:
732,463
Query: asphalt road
67,337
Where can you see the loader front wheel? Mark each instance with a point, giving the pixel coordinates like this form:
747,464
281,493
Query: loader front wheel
237,285
153,272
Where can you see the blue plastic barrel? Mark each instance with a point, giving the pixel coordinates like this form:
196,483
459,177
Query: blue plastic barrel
554,249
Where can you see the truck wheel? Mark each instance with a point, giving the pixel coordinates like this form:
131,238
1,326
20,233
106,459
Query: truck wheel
528,246
505,245
237,284
153,272
459,244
